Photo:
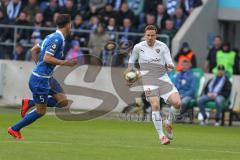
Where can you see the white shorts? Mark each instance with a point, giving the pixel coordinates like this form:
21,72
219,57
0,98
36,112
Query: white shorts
163,90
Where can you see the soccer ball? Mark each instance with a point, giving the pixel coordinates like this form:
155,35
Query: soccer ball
131,75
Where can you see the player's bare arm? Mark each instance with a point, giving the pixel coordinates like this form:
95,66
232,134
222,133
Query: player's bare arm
52,60
35,50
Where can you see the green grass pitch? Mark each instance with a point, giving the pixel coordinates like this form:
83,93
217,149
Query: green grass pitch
53,139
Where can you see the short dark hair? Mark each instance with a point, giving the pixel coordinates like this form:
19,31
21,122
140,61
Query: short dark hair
62,20
150,27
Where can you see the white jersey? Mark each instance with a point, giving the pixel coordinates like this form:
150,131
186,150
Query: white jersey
152,61
158,54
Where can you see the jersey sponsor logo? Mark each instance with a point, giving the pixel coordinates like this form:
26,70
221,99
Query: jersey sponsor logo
154,60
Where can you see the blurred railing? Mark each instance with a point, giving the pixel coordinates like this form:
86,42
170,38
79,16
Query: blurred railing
117,35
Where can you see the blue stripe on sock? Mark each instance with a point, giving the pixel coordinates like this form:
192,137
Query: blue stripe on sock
28,119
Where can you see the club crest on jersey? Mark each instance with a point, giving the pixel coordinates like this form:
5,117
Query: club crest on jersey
158,50
54,46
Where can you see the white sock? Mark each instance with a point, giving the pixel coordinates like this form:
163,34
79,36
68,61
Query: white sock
172,113
157,121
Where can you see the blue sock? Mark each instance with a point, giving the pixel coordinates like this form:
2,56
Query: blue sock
31,103
52,102
28,119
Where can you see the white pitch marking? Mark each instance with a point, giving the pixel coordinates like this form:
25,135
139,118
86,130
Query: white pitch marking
124,146
31,142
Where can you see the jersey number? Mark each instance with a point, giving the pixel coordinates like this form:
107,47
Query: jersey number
41,99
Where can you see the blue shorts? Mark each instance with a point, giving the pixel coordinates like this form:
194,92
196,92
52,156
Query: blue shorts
55,87
42,87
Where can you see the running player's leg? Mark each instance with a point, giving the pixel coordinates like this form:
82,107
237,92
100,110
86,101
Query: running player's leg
40,89
175,102
172,97
157,118
27,103
57,96
58,99
30,117
52,102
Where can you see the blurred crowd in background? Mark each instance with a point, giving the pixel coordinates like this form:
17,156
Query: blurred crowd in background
95,23
101,17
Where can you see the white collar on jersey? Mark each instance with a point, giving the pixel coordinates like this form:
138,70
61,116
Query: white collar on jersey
58,31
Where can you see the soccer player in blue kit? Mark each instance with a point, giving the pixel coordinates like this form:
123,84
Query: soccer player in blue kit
51,54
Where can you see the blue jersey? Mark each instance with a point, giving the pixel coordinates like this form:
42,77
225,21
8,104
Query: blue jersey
53,44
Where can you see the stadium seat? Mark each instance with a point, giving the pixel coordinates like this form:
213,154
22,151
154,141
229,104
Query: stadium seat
228,106
200,81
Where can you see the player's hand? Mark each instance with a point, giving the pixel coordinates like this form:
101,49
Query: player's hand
131,75
70,63
170,66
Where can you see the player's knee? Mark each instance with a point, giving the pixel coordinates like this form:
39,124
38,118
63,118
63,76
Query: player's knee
177,104
63,103
155,106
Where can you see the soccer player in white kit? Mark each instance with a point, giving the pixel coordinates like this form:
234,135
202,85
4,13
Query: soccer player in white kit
154,59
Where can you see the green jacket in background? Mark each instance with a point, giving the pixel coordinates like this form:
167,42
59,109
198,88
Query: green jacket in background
227,59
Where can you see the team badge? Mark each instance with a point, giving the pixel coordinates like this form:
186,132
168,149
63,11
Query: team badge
54,46
158,50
